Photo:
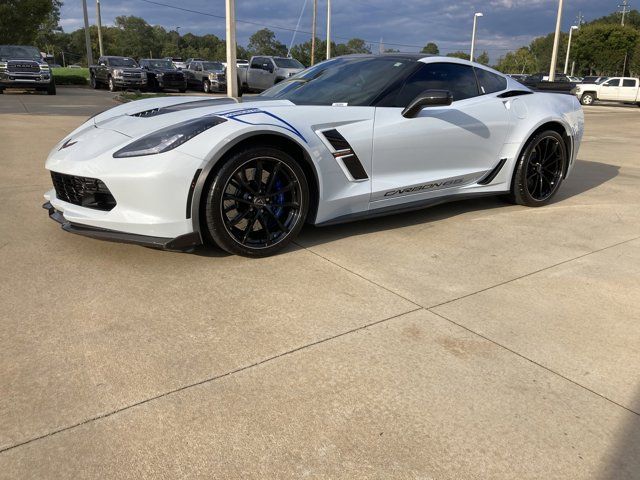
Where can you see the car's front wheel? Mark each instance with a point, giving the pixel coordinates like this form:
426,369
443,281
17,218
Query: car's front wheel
539,170
587,99
206,86
112,85
257,202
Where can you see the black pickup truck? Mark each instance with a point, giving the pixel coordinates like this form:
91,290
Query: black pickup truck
117,73
162,74
22,67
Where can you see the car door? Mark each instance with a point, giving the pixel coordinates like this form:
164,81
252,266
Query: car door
100,70
628,90
442,146
609,89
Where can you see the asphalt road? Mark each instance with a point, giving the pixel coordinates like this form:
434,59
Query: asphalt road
471,340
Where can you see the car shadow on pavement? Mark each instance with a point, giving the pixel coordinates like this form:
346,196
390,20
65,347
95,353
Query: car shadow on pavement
585,176
622,460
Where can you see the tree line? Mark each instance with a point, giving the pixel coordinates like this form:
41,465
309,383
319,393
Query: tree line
599,47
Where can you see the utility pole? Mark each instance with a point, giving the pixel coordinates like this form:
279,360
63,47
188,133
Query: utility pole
566,60
313,32
624,5
232,67
381,47
579,19
328,29
87,38
63,61
556,42
473,34
99,21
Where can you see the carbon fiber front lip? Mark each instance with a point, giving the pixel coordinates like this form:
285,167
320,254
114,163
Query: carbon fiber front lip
182,243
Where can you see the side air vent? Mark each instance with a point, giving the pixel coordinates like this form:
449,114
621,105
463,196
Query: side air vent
514,93
345,154
336,140
488,178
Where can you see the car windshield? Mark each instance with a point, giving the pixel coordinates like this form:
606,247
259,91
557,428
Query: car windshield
212,66
353,81
287,63
19,52
122,62
160,63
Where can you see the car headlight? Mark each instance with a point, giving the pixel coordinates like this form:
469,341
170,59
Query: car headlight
158,75
3,66
168,138
117,73
143,75
44,68
213,76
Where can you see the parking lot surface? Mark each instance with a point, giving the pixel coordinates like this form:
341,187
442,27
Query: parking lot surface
476,339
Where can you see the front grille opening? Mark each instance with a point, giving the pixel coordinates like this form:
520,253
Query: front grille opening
83,191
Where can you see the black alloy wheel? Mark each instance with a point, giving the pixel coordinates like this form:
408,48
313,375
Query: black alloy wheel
540,170
257,203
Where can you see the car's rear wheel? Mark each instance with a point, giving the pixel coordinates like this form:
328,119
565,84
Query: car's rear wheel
257,202
587,99
539,170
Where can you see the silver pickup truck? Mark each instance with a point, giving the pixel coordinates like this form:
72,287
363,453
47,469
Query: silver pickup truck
22,66
264,72
206,76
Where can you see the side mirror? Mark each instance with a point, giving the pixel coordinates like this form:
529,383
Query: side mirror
429,98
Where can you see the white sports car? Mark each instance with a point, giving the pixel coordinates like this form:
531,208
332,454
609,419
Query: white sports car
348,138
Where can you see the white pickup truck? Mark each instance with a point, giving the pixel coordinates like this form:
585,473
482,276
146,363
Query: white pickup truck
615,89
263,72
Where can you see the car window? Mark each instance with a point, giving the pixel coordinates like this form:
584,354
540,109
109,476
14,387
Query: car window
212,66
122,62
628,82
355,81
490,82
614,82
458,79
287,63
256,62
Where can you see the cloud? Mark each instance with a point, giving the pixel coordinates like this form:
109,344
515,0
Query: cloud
406,25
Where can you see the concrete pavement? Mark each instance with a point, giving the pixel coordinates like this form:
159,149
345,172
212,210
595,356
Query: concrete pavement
470,340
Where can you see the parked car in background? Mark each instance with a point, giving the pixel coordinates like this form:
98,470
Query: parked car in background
206,76
573,79
161,75
189,60
520,77
264,72
116,73
22,66
596,80
178,62
616,89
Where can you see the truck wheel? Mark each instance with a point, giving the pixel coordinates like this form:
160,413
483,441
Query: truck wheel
1,91
51,89
206,86
93,82
587,99
240,90
182,90
112,85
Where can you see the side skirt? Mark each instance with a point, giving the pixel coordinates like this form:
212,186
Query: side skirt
405,207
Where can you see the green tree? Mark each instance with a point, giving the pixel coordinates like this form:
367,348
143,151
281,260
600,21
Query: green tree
431,49
26,21
521,61
459,54
601,48
483,58
264,42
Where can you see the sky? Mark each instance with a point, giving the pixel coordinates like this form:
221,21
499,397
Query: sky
405,25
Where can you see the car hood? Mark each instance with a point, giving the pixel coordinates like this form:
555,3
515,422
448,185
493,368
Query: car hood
135,119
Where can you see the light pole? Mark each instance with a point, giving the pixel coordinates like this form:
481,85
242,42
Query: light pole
313,31
473,34
328,29
232,67
556,41
87,38
566,60
99,22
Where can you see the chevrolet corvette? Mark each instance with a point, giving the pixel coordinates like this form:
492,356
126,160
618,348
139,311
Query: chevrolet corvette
349,138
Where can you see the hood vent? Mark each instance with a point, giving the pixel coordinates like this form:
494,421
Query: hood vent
154,112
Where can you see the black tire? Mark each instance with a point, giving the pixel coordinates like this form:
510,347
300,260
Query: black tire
540,170
240,89
111,84
93,82
587,98
1,91
206,86
257,203
51,89
182,90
